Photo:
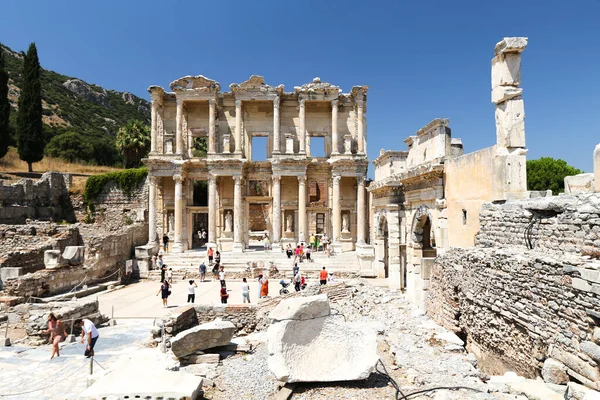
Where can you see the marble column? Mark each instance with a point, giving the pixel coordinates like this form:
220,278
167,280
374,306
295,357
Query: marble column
238,127
360,124
336,212
212,210
211,126
178,245
179,127
302,226
152,237
237,215
360,210
276,210
276,138
302,127
154,117
334,127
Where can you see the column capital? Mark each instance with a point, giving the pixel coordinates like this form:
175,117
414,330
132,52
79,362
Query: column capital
237,179
360,180
360,102
337,179
335,103
276,178
153,179
178,178
276,100
238,103
302,180
212,102
212,179
301,102
179,101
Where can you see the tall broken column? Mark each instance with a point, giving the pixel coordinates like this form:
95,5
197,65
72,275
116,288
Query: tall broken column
510,180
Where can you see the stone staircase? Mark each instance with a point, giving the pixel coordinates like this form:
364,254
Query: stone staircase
345,263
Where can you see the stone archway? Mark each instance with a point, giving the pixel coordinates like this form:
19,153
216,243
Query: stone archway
423,232
423,252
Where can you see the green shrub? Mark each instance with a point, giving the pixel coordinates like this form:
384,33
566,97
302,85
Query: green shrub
127,181
70,147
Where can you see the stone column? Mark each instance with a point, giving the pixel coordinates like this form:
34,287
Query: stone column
301,128
154,116
178,245
276,210
360,210
211,126
152,237
237,215
276,138
302,226
238,127
212,210
334,127
360,124
179,123
597,167
336,212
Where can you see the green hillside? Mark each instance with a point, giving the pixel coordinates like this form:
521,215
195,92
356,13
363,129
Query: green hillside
72,105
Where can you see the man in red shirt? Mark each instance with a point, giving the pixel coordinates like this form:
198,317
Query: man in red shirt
323,276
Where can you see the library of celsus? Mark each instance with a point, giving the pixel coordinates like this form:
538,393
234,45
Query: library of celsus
257,161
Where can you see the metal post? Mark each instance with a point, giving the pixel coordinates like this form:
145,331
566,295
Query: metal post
164,339
112,317
72,335
91,365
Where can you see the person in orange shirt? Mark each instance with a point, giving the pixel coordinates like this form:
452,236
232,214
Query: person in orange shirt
323,276
211,253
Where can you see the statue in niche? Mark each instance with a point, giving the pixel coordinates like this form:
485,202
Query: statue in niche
289,223
228,222
345,223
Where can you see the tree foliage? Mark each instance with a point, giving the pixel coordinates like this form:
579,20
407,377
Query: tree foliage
546,173
133,140
30,135
70,147
4,106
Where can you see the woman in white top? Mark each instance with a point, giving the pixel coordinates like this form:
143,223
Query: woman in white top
245,291
222,277
192,291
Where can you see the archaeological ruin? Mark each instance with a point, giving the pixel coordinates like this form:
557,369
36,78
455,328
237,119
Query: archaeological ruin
309,180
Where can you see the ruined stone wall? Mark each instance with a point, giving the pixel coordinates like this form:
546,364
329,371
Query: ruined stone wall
566,223
45,199
516,306
114,208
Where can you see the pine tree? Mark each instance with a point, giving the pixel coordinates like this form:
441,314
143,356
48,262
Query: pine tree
4,106
30,135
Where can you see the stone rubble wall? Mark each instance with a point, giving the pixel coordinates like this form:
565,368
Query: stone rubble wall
516,306
45,199
114,208
567,223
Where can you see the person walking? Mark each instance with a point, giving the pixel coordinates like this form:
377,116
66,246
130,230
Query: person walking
323,275
170,275
325,242
224,295
215,271
289,251
164,291
57,332
264,287
159,262
218,257
311,241
267,244
88,329
211,253
259,286
202,271
317,244
245,291
296,280
163,272
222,277
308,252
192,291
166,243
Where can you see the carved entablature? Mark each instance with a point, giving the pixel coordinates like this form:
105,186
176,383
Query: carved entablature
430,179
349,167
196,83
436,123
317,90
255,87
156,94
387,192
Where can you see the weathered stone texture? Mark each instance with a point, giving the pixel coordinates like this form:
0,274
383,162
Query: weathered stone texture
567,223
202,337
45,199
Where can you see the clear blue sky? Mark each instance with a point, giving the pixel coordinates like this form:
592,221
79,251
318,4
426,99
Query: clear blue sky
422,59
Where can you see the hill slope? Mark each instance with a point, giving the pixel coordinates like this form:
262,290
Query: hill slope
70,104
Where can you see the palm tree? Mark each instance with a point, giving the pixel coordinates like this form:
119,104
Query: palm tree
133,140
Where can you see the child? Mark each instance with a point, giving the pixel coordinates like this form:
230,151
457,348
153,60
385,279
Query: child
170,275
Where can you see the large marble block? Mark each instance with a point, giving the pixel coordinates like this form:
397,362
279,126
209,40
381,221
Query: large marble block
53,259
506,70
510,123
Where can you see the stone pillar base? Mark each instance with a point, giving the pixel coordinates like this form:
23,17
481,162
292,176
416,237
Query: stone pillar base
237,248
367,273
366,257
337,248
276,247
5,342
178,247
71,339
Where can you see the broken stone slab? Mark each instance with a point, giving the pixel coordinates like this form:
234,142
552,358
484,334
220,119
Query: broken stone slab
591,349
301,308
74,255
576,364
576,391
449,337
554,372
511,45
533,390
203,359
151,384
202,337
501,94
324,349
579,184
234,347
53,259
312,289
